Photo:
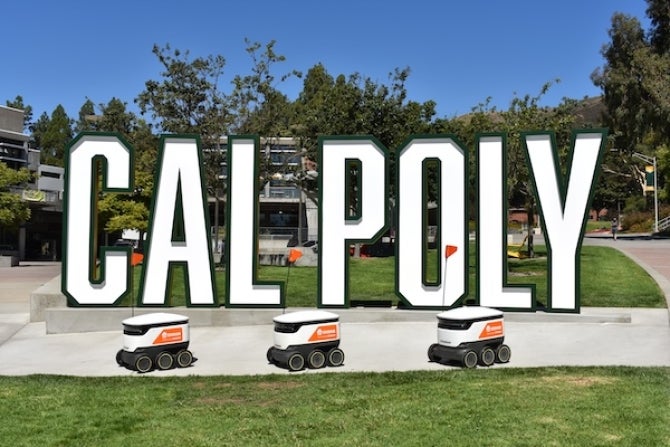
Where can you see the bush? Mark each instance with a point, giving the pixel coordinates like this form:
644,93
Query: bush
636,204
638,222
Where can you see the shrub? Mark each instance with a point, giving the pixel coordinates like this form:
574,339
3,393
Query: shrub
638,222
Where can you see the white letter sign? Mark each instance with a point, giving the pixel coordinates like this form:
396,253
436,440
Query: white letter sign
79,281
410,242
564,208
338,226
179,195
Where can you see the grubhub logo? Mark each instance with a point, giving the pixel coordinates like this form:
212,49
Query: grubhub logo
493,329
171,335
324,333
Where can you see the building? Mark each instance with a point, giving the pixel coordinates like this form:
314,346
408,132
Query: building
40,237
287,214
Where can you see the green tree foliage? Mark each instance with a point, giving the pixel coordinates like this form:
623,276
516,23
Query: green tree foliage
38,129
87,117
122,211
259,106
659,34
115,118
13,210
523,114
52,135
132,210
187,100
357,105
636,88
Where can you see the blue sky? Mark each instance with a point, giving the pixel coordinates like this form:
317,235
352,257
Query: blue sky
459,52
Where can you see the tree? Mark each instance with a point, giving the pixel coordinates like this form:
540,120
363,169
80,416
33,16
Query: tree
86,121
326,106
659,34
131,210
115,118
125,211
524,114
260,108
53,136
258,105
38,129
357,105
635,81
13,210
481,119
188,101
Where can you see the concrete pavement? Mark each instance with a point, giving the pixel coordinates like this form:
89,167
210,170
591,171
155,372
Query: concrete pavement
16,286
598,337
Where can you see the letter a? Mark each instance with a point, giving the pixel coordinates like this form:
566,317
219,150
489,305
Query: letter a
179,181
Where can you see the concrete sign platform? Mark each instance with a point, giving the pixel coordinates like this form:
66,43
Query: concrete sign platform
386,346
235,341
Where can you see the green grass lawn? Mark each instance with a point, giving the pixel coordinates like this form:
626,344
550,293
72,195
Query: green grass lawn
567,406
608,279
484,407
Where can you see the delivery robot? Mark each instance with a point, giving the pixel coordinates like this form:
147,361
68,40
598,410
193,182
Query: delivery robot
309,337
469,336
156,340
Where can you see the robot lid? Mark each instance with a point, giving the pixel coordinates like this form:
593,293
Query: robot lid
157,318
470,313
307,317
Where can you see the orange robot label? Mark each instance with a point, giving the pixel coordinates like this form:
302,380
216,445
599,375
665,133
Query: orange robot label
325,332
171,335
492,329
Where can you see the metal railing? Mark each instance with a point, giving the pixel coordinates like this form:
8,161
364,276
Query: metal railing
281,192
664,223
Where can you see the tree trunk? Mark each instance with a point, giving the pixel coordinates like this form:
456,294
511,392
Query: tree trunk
530,215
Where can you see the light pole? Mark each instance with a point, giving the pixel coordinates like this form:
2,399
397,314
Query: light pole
652,160
301,176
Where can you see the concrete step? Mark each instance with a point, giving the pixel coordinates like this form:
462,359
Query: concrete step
73,320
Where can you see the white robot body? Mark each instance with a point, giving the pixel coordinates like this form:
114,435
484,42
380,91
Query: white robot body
155,340
311,335
156,329
470,335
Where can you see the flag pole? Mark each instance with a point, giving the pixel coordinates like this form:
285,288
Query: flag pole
448,251
293,255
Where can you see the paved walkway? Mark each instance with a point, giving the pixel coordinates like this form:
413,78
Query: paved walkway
16,285
25,348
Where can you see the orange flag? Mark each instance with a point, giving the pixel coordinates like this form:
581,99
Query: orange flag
136,258
294,255
450,250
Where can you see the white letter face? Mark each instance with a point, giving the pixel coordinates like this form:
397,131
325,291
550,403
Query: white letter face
81,184
492,230
243,289
564,207
337,228
410,241
179,180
